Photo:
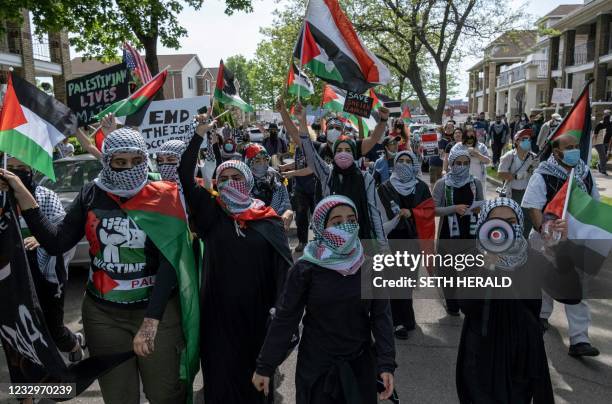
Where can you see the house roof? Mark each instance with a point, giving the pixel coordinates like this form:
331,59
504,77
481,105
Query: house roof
562,10
81,67
585,14
213,71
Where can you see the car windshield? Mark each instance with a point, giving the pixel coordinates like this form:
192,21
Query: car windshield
71,175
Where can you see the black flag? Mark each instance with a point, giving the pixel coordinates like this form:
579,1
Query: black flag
31,354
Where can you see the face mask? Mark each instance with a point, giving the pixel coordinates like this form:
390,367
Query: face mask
228,147
273,133
460,171
168,171
342,238
234,193
25,176
127,179
571,157
469,141
343,159
404,172
259,170
525,144
498,121
333,135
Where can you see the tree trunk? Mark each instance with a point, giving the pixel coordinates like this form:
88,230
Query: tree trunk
150,45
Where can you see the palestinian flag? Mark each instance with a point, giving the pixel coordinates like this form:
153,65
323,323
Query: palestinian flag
330,47
589,224
406,115
333,100
158,211
137,102
225,90
577,123
32,123
98,137
298,83
424,218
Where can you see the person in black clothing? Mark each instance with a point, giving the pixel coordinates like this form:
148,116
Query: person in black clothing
246,258
337,360
501,357
130,301
273,143
499,135
407,211
600,134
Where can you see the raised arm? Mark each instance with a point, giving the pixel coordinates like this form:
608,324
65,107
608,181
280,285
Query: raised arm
368,143
87,145
319,167
292,130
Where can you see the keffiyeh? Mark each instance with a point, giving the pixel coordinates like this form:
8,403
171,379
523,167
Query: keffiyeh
337,247
124,183
173,148
552,167
517,255
457,176
236,194
404,176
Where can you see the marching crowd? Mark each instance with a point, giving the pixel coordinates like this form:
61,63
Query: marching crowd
358,195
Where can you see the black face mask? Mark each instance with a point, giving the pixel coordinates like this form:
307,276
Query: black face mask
469,141
25,176
273,133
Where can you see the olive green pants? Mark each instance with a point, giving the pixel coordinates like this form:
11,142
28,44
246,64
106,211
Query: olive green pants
111,330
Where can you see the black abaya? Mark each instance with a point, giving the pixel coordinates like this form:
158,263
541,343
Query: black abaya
242,279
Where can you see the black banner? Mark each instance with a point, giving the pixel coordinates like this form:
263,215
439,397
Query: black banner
31,353
90,94
358,104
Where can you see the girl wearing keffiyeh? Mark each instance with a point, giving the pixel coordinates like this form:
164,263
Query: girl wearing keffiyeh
246,258
338,359
453,195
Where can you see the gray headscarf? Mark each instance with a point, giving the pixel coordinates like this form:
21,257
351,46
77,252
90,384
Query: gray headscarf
124,183
404,176
457,176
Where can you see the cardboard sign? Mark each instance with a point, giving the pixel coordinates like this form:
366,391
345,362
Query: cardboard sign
358,104
561,96
170,119
429,143
90,94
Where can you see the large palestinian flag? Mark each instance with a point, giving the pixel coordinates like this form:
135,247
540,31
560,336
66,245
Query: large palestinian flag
226,92
136,104
330,47
577,123
589,224
158,211
298,83
32,123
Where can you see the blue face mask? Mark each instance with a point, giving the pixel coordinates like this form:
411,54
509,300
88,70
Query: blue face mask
571,157
525,144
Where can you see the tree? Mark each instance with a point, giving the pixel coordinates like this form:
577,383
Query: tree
102,26
412,36
241,67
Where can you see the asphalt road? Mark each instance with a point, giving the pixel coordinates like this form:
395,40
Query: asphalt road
426,372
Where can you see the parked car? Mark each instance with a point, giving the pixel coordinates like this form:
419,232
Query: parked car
71,174
255,134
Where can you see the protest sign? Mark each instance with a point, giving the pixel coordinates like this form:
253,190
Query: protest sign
90,94
170,119
429,143
561,96
358,104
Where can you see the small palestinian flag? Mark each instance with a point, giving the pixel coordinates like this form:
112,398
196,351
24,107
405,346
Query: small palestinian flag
298,83
98,137
134,107
330,47
406,115
32,123
589,224
333,100
225,90
577,123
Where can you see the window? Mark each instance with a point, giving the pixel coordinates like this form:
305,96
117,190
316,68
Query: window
190,83
207,86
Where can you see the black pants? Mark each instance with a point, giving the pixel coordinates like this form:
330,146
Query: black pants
303,205
497,150
403,313
52,305
603,157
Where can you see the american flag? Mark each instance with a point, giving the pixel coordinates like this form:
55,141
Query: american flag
135,62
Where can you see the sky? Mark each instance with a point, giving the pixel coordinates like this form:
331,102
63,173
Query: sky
212,35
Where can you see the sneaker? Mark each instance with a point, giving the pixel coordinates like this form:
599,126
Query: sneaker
299,248
79,354
544,324
582,349
400,332
454,313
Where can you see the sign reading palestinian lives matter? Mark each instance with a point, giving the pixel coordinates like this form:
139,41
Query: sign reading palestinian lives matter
429,142
90,94
170,119
31,353
358,104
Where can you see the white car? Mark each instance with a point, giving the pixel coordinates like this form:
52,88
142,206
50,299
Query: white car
255,134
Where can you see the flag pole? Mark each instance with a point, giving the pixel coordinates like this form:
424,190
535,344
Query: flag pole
567,194
4,165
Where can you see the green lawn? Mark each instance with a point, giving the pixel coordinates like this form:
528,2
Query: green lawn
492,173
606,199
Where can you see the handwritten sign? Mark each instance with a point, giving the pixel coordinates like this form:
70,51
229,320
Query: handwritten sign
358,104
90,94
561,96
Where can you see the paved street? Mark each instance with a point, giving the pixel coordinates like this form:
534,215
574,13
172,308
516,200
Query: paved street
427,359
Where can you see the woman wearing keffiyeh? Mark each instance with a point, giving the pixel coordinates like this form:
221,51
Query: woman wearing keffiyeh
246,258
501,357
337,361
453,196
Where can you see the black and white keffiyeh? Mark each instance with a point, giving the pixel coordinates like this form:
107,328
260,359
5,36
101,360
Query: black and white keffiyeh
552,167
404,176
173,148
517,255
457,176
124,183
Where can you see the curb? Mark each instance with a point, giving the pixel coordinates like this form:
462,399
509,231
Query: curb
494,181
